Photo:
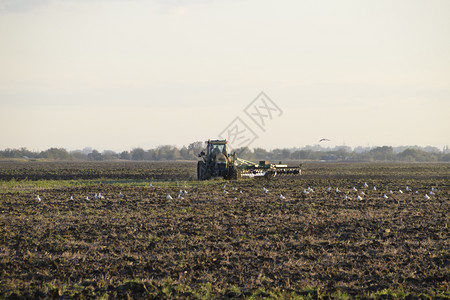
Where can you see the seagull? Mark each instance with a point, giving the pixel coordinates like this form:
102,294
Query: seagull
71,198
431,193
391,192
169,197
329,189
265,190
359,197
408,189
385,196
240,191
354,189
87,198
120,195
427,197
347,198
365,184
310,189
179,197
225,192
305,192
374,188
324,140
38,198
282,197
362,193
337,190
151,185
400,191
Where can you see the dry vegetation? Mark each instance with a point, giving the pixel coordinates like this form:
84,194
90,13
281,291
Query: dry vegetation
216,244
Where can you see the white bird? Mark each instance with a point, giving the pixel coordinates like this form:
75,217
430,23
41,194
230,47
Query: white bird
329,189
120,195
354,189
433,189
38,198
233,188
366,185
408,189
400,191
169,197
359,197
96,196
385,196
305,192
362,193
179,197
87,198
240,191
427,197
431,193
225,192
185,192
310,189
265,190
224,185
374,188
337,190
71,198
347,198
282,197
391,192
151,185
416,192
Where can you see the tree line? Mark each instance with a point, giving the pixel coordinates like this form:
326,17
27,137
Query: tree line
190,152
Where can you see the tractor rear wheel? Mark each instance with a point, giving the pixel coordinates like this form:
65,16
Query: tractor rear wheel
201,170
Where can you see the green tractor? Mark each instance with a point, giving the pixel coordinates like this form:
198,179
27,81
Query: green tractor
218,162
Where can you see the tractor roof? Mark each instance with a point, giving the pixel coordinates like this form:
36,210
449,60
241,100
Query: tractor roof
217,142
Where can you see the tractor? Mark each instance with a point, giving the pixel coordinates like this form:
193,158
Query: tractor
218,162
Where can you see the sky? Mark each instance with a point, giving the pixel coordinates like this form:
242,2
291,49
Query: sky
121,74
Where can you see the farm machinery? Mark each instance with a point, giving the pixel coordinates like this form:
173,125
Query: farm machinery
216,161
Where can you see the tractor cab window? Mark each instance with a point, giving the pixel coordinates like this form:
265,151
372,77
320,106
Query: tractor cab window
217,149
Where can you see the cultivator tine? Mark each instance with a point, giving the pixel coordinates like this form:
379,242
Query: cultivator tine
287,171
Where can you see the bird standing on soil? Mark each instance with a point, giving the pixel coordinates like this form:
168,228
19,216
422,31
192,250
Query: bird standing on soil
427,197
265,190
359,197
282,197
38,198
169,197
385,196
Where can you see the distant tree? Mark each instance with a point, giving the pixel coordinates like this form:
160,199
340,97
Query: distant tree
195,148
125,155
95,155
55,154
137,154
109,155
78,155
261,154
382,153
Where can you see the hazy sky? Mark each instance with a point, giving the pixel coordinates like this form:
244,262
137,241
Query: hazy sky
123,74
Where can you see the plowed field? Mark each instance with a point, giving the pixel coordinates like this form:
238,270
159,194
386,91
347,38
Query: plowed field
228,238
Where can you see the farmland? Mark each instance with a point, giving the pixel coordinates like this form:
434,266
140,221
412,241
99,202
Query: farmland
223,238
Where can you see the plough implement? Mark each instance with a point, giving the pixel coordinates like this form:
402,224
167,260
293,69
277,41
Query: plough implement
217,162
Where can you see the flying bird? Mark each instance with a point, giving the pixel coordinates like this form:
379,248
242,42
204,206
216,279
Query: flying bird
324,140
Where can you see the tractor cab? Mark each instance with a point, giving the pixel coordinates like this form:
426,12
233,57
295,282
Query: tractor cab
216,161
